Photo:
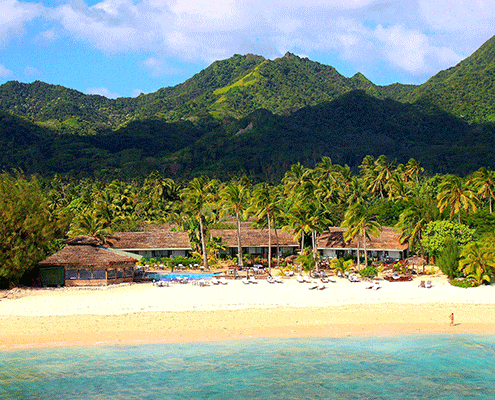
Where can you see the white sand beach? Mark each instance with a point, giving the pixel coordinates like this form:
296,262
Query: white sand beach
144,313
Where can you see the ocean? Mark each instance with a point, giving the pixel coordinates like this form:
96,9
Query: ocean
396,367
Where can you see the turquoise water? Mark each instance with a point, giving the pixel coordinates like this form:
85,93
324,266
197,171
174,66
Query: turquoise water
402,367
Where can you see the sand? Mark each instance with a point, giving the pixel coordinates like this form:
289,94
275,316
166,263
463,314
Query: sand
143,313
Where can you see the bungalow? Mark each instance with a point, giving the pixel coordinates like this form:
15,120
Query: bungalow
255,241
156,243
385,246
83,262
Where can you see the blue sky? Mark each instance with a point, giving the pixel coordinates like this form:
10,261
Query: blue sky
124,47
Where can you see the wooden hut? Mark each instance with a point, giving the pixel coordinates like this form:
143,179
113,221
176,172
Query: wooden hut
386,246
83,262
152,243
255,241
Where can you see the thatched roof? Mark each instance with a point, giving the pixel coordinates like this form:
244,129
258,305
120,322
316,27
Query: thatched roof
151,240
253,237
416,260
82,240
334,239
86,256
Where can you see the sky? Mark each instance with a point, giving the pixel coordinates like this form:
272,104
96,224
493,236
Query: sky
121,48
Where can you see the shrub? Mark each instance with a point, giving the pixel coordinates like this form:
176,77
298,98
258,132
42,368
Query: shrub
448,261
369,272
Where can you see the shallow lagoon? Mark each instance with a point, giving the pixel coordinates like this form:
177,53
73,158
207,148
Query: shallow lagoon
397,367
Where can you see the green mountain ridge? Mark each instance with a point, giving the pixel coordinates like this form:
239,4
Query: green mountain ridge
247,114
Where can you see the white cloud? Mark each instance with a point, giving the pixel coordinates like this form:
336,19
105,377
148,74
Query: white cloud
5,73
31,71
102,91
412,51
13,16
413,36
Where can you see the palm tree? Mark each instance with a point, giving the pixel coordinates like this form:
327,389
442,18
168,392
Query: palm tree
91,224
477,262
265,205
359,222
198,197
483,181
233,200
413,169
454,194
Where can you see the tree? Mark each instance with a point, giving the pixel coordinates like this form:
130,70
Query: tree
436,234
454,194
265,206
359,222
198,197
91,224
483,181
413,169
478,262
28,229
233,200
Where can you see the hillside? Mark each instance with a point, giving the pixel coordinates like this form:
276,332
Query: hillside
256,116
466,90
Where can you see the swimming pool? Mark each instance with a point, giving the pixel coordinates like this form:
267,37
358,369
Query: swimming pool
170,276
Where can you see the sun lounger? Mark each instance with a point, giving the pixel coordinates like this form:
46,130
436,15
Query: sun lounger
428,285
245,281
353,278
369,285
252,279
321,286
307,279
421,284
223,281
377,285
300,279
278,279
314,285
270,279
215,281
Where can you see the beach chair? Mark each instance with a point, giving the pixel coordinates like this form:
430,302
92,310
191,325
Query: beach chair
314,285
428,285
321,285
252,279
270,279
300,279
215,281
307,279
369,285
278,279
421,284
223,281
245,281
376,286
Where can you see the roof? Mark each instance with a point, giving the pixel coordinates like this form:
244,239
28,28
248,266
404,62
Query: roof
86,256
388,239
254,237
82,240
151,240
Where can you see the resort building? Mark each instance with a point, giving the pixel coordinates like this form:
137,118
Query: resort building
152,244
83,262
385,247
255,242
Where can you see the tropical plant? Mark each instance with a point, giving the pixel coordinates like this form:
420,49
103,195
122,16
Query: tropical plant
477,262
360,223
483,181
199,197
436,234
455,195
448,260
233,201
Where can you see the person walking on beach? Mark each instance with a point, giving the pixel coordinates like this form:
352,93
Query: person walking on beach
452,319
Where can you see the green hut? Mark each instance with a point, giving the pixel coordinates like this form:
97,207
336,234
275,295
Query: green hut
84,262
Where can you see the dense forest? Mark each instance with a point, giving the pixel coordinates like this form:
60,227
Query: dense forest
251,116
446,218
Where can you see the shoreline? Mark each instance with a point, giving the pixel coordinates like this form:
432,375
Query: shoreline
226,325
145,314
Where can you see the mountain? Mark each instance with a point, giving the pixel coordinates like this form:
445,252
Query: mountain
256,116
466,90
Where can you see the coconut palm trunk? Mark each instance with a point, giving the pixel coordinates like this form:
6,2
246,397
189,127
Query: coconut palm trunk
203,242
269,243
239,244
